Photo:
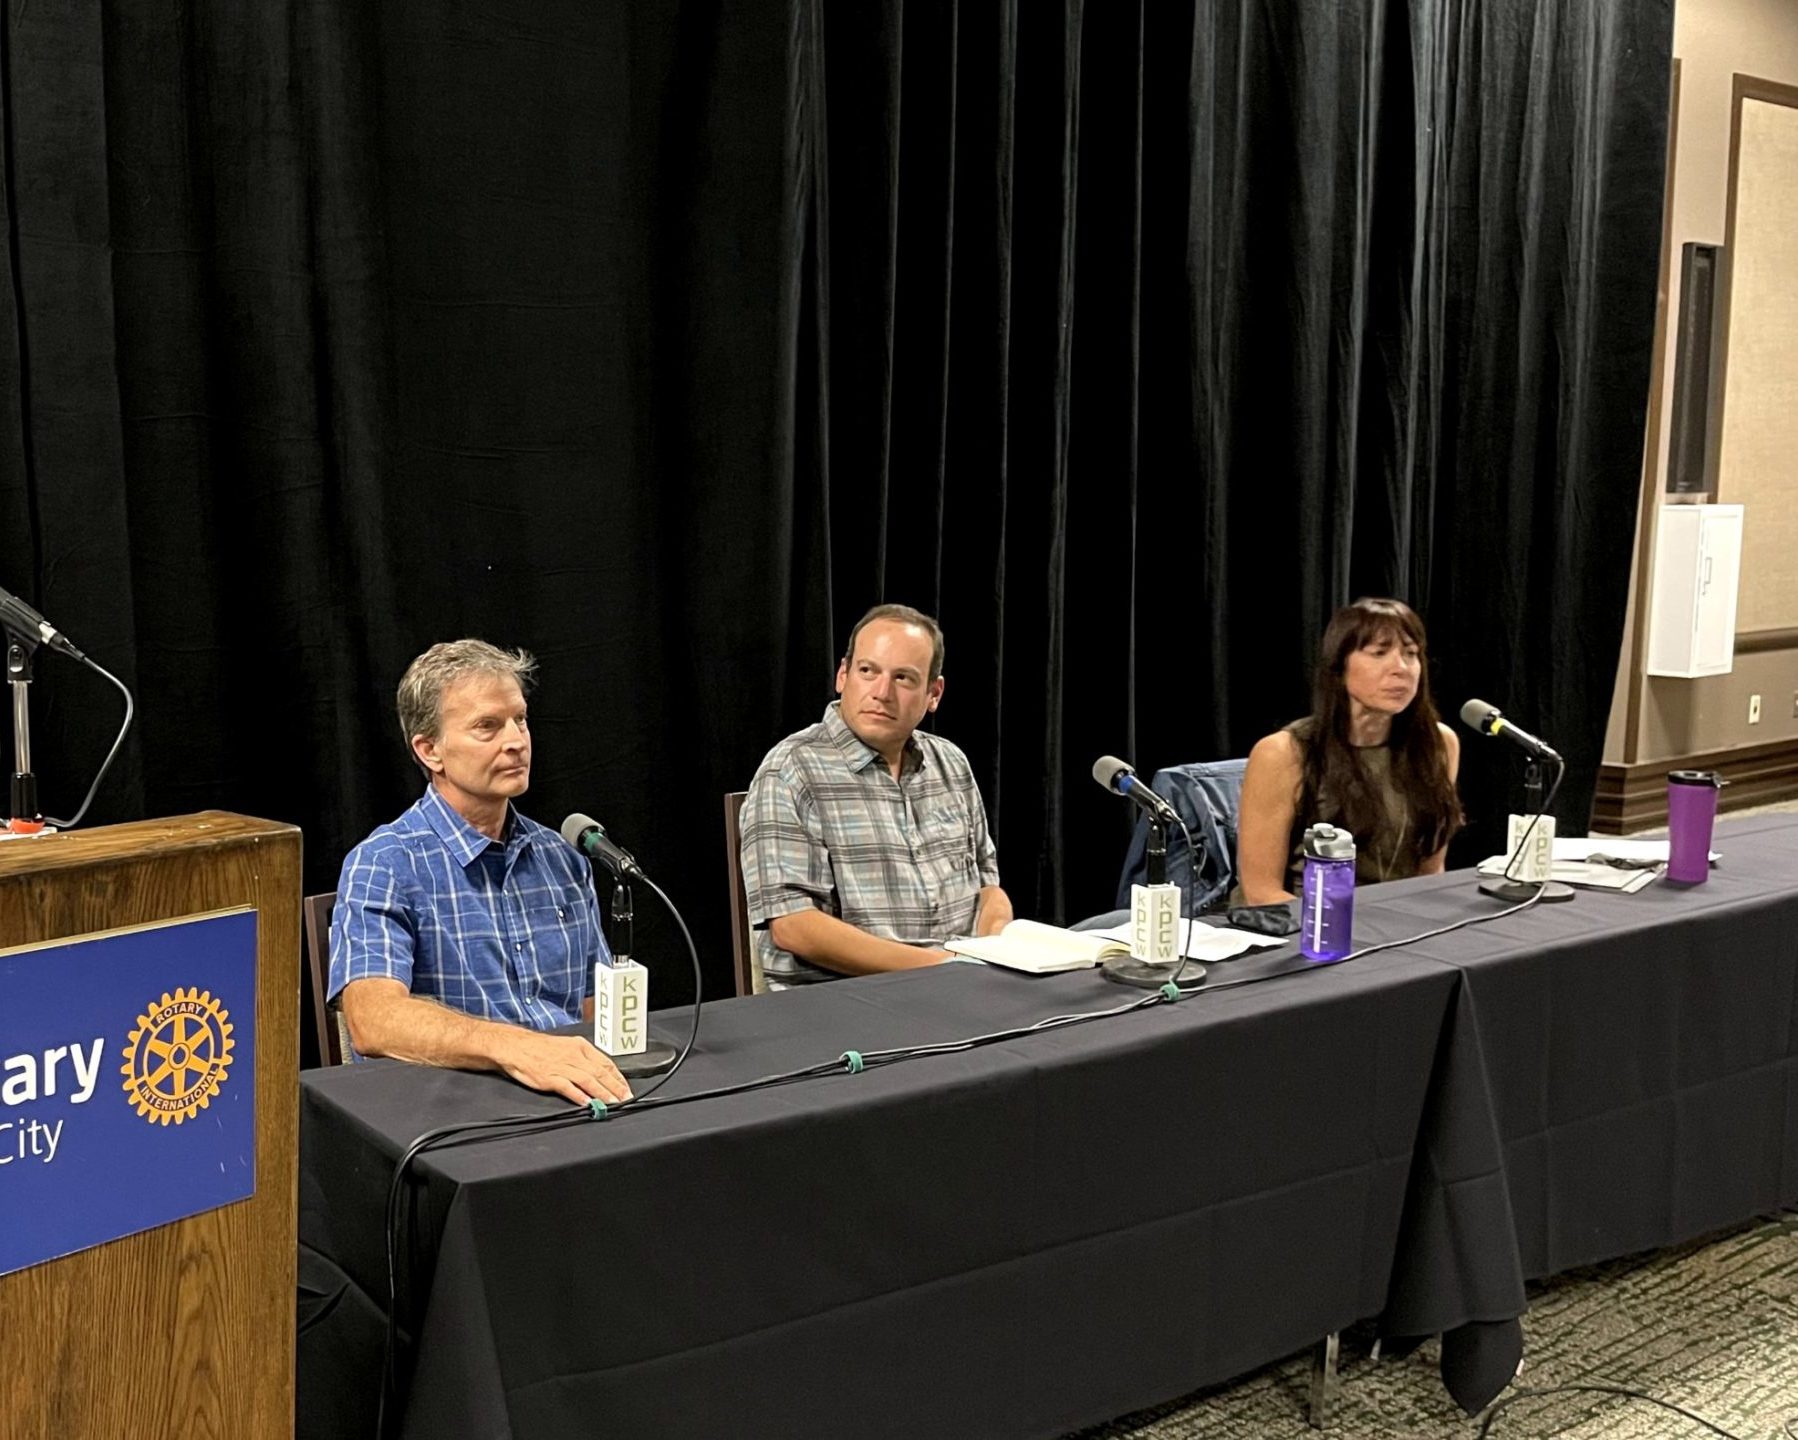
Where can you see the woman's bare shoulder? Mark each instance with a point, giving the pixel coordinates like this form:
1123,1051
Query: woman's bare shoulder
1278,751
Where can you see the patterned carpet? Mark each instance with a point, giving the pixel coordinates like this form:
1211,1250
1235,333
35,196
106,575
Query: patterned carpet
1712,1327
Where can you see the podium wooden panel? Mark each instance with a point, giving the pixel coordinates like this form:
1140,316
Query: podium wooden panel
188,1329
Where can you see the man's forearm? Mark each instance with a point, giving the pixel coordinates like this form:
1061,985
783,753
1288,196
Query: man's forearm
402,1026
835,944
994,912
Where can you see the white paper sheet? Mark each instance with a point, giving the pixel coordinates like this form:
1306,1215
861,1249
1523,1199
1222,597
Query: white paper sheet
1208,942
1618,848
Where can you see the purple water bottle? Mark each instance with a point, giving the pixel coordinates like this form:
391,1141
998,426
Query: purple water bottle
1691,811
1327,893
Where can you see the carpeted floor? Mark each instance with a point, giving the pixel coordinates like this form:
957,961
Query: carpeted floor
1712,1327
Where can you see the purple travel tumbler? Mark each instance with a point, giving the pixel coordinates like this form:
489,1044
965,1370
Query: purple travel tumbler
1691,811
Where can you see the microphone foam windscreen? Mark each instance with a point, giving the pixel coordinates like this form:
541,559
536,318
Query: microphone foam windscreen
1106,770
576,825
1478,715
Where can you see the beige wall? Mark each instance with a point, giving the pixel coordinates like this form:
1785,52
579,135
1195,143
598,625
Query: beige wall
1757,464
1714,40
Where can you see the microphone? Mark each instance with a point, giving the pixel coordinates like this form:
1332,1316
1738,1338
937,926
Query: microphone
621,984
27,624
1488,720
589,837
1119,778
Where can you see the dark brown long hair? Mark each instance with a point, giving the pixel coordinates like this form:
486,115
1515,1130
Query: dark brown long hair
1419,765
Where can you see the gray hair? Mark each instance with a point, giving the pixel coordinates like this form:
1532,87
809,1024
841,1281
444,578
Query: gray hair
420,700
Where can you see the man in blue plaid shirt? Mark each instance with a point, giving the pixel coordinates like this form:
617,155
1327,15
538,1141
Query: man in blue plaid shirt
864,840
463,931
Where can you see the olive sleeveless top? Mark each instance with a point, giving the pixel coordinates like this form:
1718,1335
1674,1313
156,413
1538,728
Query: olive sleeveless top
1387,853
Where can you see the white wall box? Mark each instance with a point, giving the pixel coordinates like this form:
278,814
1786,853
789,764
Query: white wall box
1697,562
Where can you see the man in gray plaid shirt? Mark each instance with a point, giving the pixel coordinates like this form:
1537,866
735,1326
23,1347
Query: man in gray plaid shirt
864,841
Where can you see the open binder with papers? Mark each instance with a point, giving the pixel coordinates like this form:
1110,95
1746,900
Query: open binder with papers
1040,949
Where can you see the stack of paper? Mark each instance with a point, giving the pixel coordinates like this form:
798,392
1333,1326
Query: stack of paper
1614,848
1601,862
1592,874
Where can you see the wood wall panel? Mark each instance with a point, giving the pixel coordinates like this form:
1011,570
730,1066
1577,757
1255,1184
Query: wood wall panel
1634,797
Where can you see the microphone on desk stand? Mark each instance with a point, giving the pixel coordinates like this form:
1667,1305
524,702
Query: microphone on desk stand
23,630
1156,954
621,984
1523,830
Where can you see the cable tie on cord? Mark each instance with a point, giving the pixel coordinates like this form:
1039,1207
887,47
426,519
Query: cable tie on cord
1171,991
853,1062
597,1109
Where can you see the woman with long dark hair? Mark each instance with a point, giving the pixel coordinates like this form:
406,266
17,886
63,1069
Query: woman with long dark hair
1371,757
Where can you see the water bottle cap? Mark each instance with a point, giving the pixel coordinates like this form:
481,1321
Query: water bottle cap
1696,777
1329,842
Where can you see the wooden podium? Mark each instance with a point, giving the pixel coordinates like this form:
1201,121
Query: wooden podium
187,1329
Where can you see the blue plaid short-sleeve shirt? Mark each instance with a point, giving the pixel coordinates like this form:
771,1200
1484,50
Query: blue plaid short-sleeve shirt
501,930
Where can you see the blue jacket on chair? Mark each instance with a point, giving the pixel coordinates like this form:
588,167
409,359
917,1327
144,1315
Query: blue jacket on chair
1206,796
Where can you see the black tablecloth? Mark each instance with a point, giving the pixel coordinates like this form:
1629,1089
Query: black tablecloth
1052,1231
1636,1057
1014,1241
1641,1050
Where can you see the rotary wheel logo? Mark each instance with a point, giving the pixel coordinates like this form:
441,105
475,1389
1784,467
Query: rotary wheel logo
177,1058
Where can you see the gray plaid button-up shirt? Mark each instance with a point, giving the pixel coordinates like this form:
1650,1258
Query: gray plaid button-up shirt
827,826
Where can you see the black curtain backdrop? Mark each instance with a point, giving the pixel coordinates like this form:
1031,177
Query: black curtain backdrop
663,339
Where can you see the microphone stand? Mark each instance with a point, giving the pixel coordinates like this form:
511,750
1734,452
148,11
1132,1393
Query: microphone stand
1147,974
656,1055
26,818
1512,891
623,920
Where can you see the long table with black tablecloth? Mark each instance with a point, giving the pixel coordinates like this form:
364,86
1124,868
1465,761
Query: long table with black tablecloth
1047,1232
1636,1058
1016,1240
1641,1051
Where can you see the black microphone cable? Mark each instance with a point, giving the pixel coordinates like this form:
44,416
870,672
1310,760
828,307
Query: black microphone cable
111,755
1185,936
527,1123
851,1062
1516,909
1530,829
1523,1393
698,992
511,1124
60,644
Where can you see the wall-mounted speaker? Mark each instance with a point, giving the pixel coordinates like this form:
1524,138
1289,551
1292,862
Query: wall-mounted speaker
1689,439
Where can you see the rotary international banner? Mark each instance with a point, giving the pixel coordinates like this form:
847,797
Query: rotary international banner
127,1083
